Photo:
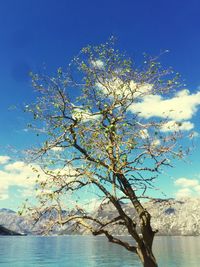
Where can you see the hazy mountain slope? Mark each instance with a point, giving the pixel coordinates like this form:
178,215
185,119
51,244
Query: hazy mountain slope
5,231
170,217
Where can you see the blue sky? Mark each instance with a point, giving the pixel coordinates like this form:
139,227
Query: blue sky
34,33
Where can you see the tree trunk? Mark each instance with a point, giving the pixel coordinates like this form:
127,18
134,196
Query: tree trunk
150,262
147,258
144,242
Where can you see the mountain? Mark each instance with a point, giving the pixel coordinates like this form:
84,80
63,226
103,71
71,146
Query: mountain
169,216
173,217
6,210
5,231
25,225
12,221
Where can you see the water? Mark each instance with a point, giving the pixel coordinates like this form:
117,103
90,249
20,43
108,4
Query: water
88,251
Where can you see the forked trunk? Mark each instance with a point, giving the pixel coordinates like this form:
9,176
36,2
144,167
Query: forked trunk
145,241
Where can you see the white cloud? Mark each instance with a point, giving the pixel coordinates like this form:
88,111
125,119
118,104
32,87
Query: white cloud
84,115
16,174
97,64
197,188
17,166
144,134
177,126
184,192
117,87
180,107
188,187
156,142
185,182
3,196
4,159
23,176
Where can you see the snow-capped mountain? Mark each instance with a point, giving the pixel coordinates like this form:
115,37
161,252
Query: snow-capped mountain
169,217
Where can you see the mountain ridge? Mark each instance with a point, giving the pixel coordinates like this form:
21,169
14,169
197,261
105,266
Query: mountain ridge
169,217
5,231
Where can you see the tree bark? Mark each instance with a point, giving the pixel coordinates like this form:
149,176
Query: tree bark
147,258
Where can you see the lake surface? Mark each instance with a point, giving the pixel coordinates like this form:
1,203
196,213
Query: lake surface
88,251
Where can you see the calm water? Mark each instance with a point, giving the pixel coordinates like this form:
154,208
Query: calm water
88,251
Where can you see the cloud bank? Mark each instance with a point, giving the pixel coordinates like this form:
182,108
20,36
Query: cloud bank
14,174
179,108
187,187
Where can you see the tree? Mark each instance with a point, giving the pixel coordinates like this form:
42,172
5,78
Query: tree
103,141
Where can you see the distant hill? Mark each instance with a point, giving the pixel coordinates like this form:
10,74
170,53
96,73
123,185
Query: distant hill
23,224
14,222
6,210
5,231
169,216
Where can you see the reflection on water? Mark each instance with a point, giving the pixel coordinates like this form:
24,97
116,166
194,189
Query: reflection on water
178,251
88,251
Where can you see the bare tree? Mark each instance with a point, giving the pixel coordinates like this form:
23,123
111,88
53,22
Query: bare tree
91,119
